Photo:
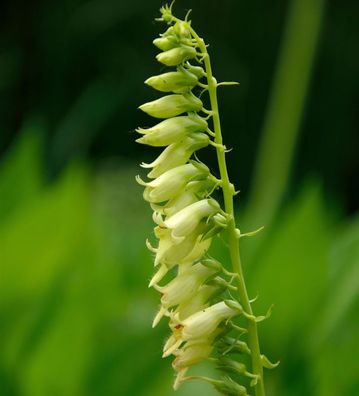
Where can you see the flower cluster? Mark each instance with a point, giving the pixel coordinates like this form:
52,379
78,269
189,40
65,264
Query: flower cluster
194,287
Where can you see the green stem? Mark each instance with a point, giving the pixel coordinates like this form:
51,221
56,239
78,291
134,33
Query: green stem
233,241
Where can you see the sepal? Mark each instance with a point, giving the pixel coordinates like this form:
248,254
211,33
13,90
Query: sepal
248,234
230,388
267,363
233,345
231,366
266,316
196,70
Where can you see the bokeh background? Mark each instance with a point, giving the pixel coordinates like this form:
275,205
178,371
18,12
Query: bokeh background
75,310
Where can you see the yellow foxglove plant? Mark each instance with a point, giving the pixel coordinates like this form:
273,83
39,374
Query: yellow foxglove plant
201,299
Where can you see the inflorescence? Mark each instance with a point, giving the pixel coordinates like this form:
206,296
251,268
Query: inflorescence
197,298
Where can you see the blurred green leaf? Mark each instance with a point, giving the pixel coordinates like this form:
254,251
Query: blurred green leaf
292,272
35,245
335,343
21,172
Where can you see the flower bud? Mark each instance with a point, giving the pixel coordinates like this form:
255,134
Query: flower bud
180,81
177,55
172,105
172,182
177,154
172,130
166,13
187,219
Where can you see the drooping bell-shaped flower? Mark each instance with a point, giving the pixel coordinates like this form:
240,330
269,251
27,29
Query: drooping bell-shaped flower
184,286
177,153
189,355
189,249
192,353
203,324
193,191
171,130
199,327
186,220
172,182
199,302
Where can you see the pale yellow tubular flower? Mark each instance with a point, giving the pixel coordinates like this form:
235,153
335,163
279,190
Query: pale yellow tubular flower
192,192
185,285
191,247
199,302
186,220
171,130
203,324
189,355
171,183
177,154
182,288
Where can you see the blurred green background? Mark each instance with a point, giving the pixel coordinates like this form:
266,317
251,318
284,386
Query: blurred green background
75,310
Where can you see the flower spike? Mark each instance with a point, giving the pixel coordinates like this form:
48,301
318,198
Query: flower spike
200,298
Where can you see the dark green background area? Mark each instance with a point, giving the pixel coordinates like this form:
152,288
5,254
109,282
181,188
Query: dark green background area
78,67
75,310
